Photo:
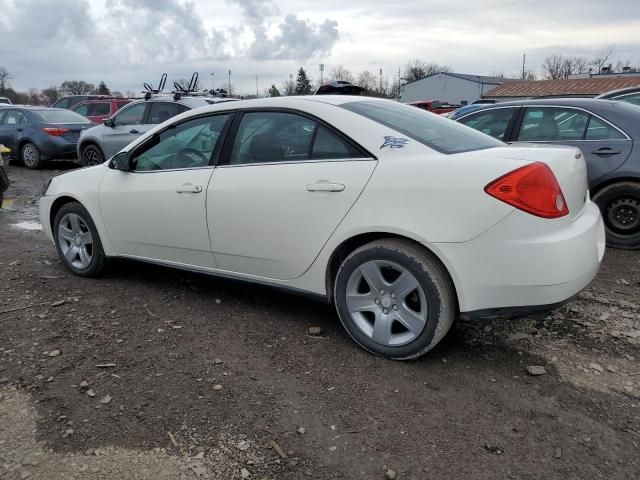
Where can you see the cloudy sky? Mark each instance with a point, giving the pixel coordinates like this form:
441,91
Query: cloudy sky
127,42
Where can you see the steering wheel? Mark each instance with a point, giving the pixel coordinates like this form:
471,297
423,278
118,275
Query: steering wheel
183,156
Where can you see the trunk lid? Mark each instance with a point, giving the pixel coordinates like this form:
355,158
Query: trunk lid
71,131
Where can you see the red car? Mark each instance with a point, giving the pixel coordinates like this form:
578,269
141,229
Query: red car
99,110
434,106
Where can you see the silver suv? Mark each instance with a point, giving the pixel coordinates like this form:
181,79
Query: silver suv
101,142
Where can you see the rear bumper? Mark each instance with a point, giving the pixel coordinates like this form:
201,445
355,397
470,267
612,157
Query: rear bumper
525,263
54,147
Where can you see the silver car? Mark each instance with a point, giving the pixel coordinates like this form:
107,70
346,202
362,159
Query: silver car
134,119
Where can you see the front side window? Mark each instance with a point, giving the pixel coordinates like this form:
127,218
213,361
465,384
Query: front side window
553,124
493,122
160,112
131,115
271,137
434,131
187,145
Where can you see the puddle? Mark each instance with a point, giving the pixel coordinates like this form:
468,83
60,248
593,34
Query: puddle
27,225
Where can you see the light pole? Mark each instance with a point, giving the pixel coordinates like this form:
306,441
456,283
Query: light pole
229,82
321,72
256,86
213,88
380,81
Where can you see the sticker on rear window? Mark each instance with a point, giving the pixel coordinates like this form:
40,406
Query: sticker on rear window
394,142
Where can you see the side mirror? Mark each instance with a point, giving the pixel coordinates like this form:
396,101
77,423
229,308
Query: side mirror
120,162
109,122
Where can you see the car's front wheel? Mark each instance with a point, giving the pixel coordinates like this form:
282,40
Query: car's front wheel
394,299
31,156
91,155
77,241
620,207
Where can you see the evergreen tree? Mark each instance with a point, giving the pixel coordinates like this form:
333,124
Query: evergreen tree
273,91
103,89
303,84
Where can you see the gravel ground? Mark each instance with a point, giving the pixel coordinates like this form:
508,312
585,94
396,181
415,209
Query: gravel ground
156,373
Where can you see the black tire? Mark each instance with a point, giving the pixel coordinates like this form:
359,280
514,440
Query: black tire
30,156
432,278
99,262
91,155
620,207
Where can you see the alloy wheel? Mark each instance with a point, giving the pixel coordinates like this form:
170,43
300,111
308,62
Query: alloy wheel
90,157
76,241
29,155
387,303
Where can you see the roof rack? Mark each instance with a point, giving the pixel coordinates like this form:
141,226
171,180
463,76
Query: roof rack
149,90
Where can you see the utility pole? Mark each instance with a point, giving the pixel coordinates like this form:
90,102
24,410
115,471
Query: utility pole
229,82
399,82
256,86
321,72
524,58
380,81
212,85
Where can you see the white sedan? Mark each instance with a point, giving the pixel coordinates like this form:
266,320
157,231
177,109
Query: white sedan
399,217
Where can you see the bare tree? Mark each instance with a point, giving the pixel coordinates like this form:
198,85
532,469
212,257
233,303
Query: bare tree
418,69
34,96
50,95
528,75
558,66
368,81
621,65
601,59
5,76
77,87
289,87
341,73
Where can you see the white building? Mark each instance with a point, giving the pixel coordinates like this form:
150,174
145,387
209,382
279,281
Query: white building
453,88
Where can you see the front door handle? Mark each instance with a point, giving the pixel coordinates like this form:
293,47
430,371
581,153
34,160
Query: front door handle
188,188
325,187
606,151
133,131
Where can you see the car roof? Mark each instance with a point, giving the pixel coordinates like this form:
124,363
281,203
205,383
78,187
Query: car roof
617,93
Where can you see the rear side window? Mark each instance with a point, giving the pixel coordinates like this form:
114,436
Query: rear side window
63,103
13,117
434,131
99,109
599,130
82,109
328,145
493,122
61,116
162,111
553,124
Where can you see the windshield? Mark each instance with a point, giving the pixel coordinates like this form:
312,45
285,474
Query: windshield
435,132
61,116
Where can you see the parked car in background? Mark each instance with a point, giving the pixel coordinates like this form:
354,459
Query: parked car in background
399,217
434,106
99,110
4,178
136,118
36,134
629,95
71,100
5,100
465,110
607,132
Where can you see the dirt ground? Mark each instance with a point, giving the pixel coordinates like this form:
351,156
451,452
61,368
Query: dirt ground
189,376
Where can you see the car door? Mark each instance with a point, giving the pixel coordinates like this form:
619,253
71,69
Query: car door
13,124
283,186
157,210
126,127
605,147
496,122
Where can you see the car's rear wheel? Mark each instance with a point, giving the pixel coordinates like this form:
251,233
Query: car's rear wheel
620,207
77,241
30,156
91,155
394,298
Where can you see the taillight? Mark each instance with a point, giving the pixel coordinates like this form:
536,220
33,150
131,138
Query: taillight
532,189
55,131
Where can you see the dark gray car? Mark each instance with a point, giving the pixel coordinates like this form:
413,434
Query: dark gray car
607,132
35,134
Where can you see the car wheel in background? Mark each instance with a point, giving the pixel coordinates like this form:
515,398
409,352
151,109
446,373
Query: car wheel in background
77,241
30,156
620,207
394,299
91,155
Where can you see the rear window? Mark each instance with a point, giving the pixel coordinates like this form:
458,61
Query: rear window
434,131
61,116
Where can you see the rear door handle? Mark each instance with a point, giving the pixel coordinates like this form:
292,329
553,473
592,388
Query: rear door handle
134,131
325,187
188,188
605,151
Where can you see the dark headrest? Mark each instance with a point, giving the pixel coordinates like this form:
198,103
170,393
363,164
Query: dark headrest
265,148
